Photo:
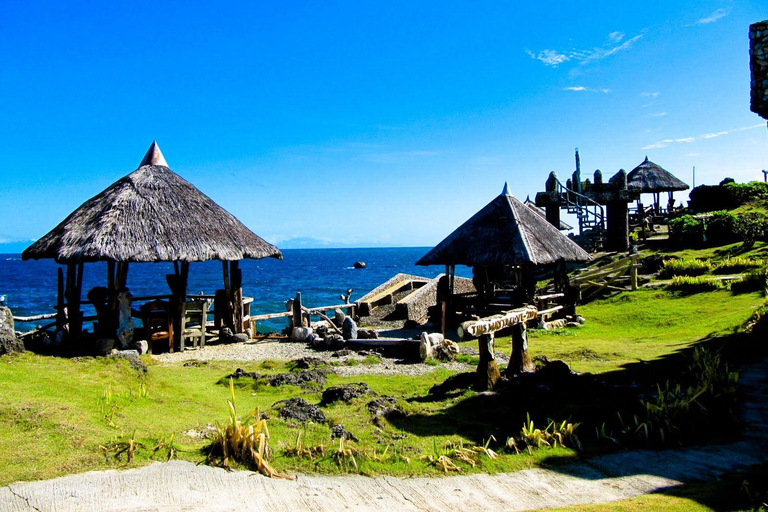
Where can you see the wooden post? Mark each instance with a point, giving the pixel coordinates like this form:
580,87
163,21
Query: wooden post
633,272
487,370
442,318
519,361
61,317
298,313
74,285
236,276
180,297
227,312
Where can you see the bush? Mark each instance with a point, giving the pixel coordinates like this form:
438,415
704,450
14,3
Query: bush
743,193
726,196
694,284
737,265
686,231
720,228
751,227
755,281
683,267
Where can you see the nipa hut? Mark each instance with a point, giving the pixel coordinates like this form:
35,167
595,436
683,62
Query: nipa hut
650,178
504,235
150,215
541,213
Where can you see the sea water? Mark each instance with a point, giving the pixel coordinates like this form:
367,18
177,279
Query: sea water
321,275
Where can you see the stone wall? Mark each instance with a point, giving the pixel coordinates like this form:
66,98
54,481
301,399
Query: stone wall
416,306
758,61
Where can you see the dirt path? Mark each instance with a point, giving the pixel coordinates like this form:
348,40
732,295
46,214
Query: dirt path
184,486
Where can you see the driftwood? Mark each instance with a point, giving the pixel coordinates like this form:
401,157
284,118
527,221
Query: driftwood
324,317
34,318
497,322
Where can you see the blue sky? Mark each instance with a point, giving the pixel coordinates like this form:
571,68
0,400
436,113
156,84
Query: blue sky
362,123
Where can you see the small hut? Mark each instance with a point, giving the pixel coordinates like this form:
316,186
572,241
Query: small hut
650,178
150,215
505,240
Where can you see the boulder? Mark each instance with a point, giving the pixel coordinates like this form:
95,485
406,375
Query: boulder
9,343
359,264
298,409
103,346
345,393
339,432
349,329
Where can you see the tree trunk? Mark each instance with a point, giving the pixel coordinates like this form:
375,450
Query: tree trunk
520,362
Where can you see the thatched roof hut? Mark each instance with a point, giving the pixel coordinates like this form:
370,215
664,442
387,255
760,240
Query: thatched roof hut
649,177
541,213
152,214
505,232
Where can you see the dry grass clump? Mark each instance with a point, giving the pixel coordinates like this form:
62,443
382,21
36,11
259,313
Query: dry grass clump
684,267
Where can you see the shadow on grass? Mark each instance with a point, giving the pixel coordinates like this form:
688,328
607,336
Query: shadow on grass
594,400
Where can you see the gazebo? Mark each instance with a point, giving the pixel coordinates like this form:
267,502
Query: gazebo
150,215
650,178
504,234
505,237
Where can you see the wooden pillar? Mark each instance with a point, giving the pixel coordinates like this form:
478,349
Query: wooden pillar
236,276
297,315
617,230
73,289
487,371
226,310
61,317
177,305
553,214
519,361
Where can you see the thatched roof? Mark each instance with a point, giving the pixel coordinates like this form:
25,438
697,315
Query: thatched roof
504,232
541,213
648,177
152,214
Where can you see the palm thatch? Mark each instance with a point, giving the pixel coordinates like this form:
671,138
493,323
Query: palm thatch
505,232
648,177
151,215
541,213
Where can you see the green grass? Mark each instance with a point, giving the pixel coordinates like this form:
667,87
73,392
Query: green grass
52,417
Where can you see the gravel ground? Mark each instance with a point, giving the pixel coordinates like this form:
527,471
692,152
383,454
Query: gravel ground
286,351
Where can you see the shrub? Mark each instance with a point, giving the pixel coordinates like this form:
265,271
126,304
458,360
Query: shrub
737,265
742,193
755,281
684,267
726,196
720,228
694,284
686,231
751,227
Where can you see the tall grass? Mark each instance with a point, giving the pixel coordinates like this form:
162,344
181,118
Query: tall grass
684,267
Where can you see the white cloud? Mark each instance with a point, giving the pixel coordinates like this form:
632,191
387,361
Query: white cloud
554,58
549,57
664,143
657,114
691,154
649,94
716,15
580,88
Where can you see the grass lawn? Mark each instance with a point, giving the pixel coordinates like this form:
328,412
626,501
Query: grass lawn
57,416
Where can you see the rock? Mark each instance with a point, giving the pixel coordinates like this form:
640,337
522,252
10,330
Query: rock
300,333
305,379
359,264
554,370
240,337
338,317
142,346
104,346
306,363
339,432
367,334
385,406
9,343
226,335
345,393
298,409
132,356
342,353
447,350
242,374
349,329
580,319
334,341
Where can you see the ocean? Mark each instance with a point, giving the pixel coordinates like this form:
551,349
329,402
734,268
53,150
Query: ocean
321,275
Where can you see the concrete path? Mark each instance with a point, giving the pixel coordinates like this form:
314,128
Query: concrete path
182,486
